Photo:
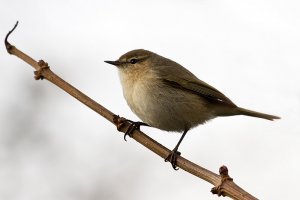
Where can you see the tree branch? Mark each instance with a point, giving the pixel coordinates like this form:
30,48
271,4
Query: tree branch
224,185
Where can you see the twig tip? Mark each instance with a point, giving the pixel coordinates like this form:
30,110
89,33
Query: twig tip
7,44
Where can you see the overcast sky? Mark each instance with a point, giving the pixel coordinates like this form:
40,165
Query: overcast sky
53,147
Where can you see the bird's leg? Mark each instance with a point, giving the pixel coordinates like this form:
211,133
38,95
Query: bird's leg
172,157
133,125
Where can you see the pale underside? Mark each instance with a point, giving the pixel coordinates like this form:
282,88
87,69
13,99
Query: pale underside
162,105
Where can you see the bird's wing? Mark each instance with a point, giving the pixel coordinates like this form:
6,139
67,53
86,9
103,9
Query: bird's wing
181,78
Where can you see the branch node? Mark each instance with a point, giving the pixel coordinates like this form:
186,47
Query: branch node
38,73
224,177
7,44
118,121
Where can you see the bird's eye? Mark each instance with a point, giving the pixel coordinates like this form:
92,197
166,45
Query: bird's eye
133,61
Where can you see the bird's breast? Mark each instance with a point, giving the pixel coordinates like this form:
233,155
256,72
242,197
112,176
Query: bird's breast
138,90
160,105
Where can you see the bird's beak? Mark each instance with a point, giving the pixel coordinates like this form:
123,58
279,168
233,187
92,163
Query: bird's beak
115,63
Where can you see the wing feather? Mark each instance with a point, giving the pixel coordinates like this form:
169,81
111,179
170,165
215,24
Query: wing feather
183,79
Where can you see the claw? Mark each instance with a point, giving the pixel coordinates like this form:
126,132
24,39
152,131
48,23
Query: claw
172,157
130,130
120,121
133,126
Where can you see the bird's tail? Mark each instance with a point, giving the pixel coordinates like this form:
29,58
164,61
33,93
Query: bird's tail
243,111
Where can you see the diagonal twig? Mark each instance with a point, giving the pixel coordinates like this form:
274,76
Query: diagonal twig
224,185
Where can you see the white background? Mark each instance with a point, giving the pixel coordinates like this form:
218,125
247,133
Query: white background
53,147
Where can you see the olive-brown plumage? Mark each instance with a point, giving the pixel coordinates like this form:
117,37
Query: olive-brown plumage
165,95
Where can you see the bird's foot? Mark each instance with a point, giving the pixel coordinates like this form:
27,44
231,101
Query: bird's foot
172,157
120,122
133,126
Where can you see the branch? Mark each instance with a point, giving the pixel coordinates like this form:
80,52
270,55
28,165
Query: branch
224,185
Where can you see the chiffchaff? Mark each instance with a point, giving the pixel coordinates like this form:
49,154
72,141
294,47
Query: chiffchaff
165,95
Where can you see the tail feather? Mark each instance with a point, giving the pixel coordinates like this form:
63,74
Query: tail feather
243,111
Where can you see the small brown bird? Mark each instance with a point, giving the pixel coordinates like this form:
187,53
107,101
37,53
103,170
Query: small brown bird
165,95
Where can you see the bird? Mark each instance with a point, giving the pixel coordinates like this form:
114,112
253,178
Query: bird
167,96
